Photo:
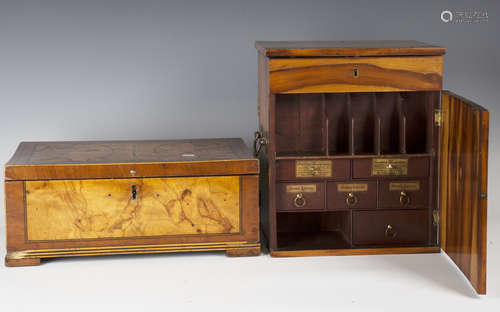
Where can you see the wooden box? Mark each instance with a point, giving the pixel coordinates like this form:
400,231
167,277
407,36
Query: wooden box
128,197
363,153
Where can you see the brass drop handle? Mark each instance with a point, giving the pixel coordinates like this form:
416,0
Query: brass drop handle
134,192
389,232
258,142
351,199
389,166
299,201
404,199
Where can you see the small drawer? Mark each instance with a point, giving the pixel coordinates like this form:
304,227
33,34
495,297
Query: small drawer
301,197
351,195
390,227
390,167
360,74
290,170
404,193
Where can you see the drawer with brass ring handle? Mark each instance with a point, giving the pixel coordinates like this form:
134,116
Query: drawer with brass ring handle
389,232
404,199
299,200
351,199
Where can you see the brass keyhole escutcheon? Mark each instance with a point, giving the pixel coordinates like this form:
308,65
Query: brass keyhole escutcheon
299,200
389,232
355,73
134,192
351,199
404,199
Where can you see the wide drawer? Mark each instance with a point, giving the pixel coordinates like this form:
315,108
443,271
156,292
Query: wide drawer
301,197
290,170
404,193
390,227
121,208
363,74
351,195
390,167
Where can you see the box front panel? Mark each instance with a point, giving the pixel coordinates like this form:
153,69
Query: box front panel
127,208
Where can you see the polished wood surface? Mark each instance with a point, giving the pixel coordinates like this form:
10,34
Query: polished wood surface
129,159
353,252
318,75
19,248
77,198
463,191
346,48
90,209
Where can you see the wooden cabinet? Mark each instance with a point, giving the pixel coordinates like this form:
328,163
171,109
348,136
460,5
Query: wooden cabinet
127,197
362,152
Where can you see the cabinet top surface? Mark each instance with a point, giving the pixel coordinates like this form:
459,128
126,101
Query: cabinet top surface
116,152
347,48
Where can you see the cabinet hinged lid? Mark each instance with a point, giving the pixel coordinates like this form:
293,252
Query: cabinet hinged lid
130,159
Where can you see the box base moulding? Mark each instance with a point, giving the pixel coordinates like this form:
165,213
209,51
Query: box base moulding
32,257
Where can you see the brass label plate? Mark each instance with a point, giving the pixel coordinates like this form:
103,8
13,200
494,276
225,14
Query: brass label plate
313,168
389,167
352,187
301,188
404,186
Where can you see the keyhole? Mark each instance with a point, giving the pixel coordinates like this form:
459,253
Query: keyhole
355,72
134,192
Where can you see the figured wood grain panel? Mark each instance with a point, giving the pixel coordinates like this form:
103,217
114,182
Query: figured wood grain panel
98,209
463,176
374,74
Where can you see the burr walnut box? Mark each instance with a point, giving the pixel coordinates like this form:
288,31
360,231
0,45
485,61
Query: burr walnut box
128,197
362,152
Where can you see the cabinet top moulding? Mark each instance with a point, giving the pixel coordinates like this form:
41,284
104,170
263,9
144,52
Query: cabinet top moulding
347,48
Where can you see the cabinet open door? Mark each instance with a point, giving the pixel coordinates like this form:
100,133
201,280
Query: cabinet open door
463,186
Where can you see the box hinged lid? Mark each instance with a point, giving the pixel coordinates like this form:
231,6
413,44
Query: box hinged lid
130,159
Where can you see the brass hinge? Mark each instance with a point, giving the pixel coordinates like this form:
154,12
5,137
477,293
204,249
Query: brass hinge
438,117
435,217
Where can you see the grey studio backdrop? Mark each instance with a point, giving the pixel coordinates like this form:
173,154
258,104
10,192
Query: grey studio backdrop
116,70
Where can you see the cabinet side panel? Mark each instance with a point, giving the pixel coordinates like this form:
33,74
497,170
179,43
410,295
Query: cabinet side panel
463,165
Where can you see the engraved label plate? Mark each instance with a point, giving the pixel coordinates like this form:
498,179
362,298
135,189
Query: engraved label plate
389,167
352,187
404,186
313,168
302,188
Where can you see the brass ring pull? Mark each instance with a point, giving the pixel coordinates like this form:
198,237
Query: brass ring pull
351,199
404,199
258,142
389,232
299,200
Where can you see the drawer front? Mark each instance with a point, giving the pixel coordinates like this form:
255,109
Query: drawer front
363,74
121,208
301,197
290,170
390,167
351,195
404,193
390,227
